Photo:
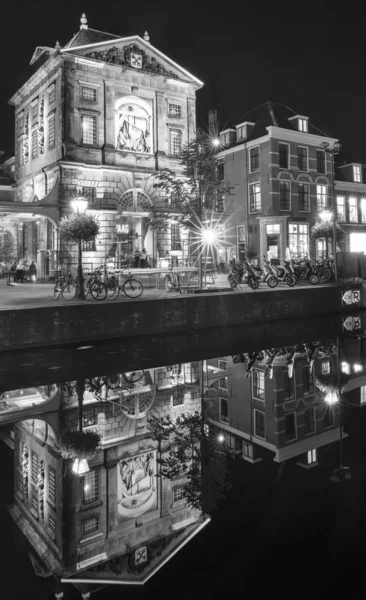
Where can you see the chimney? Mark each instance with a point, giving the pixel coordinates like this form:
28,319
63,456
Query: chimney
212,123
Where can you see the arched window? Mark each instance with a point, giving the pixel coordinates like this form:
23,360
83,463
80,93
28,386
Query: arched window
133,125
136,201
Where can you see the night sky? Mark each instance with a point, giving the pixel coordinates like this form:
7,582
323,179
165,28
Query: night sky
305,55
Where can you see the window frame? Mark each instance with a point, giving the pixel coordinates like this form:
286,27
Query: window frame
357,175
221,360
255,388
319,161
34,147
287,415
291,395
86,534
288,156
51,117
179,490
310,410
172,114
84,86
95,117
225,419
341,217
310,383
355,207
51,94
307,186
285,181
97,485
363,209
262,413
256,157
52,500
255,195
310,460
320,196
298,235
247,455
302,125
299,156
171,131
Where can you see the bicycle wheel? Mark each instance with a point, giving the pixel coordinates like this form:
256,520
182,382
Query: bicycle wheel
68,290
57,290
132,288
98,290
168,282
112,289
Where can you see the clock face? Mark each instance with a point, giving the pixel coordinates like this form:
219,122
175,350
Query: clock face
136,60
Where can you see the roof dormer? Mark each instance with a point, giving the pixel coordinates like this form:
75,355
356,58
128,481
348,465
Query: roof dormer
227,137
243,130
351,172
301,123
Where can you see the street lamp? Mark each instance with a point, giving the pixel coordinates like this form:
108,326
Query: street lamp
333,150
80,466
79,204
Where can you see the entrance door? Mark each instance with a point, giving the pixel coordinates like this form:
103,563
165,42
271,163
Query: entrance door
273,232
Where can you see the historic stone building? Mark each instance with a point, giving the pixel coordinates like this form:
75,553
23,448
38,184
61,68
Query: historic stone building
98,118
122,520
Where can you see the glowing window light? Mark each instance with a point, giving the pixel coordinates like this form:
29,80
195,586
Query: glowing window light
357,368
345,367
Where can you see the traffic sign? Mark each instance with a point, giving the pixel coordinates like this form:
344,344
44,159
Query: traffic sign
352,297
352,323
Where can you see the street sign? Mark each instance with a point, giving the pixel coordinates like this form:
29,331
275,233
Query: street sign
352,323
351,297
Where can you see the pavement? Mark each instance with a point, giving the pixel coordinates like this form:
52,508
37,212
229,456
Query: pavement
27,295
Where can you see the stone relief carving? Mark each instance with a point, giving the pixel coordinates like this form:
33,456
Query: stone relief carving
133,129
131,56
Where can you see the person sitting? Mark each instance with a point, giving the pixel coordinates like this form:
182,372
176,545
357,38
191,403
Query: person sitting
143,259
136,258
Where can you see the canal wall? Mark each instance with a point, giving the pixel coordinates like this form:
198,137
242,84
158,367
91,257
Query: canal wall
84,322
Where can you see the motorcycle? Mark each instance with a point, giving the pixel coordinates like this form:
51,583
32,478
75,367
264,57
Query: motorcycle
268,276
283,274
309,271
243,274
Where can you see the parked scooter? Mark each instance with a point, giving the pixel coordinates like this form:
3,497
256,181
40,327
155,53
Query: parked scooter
309,271
268,276
236,275
283,274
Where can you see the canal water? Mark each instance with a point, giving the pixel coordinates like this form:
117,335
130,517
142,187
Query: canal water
192,465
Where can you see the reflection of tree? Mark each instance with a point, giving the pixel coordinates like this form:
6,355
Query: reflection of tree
187,449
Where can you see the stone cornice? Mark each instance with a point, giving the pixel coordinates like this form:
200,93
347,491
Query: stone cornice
299,136
350,186
42,73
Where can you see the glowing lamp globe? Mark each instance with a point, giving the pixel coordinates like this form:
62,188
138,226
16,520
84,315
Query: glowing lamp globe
220,438
331,398
79,204
326,216
80,466
209,235
216,142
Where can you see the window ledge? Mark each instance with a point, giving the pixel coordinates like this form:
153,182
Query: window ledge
86,507
86,539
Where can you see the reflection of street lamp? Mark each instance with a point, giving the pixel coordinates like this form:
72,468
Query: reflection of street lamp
80,466
333,150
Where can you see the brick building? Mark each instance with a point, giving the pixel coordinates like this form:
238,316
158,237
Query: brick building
97,117
121,521
281,166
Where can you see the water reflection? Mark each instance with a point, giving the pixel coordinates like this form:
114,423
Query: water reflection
115,474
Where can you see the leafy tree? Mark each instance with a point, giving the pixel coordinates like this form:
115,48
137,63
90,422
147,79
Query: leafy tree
191,194
324,230
76,229
7,251
186,448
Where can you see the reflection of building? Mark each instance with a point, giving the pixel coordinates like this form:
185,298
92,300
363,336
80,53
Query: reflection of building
277,160
121,521
97,118
285,416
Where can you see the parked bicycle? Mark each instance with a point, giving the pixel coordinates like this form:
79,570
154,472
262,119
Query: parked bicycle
65,287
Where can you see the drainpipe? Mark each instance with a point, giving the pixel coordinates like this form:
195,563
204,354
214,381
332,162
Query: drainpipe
45,180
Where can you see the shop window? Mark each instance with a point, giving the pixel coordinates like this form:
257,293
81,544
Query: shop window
320,161
91,487
309,420
258,384
298,234
224,410
284,155
290,427
285,200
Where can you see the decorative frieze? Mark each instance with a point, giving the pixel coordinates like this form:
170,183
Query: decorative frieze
132,56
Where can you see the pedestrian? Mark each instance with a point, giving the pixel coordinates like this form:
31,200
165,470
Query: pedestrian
143,259
32,271
136,258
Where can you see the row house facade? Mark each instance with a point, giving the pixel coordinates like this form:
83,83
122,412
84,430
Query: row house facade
283,417
122,520
97,118
282,168
350,198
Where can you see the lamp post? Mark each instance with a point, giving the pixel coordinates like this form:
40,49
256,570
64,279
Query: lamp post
79,205
333,150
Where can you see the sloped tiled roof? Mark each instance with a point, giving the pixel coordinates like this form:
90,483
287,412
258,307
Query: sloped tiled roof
272,114
90,36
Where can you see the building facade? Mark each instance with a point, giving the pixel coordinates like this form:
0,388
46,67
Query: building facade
98,118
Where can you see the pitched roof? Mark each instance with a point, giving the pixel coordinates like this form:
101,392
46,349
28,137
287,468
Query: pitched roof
90,36
272,114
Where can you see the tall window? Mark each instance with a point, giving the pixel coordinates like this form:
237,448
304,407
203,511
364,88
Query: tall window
90,525
320,161
241,132
89,246
35,110
52,486
284,152
34,142
34,467
304,201
89,94
288,386
255,204
220,170
224,410
312,456
178,396
258,384
175,237
325,367
51,131
298,238
321,197
247,450
309,420
290,427
254,159
357,173
223,383
302,158
90,193
51,94
89,129
303,125
175,110
308,381
285,195
90,416
52,526
260,424
363,394
21,123
341,208
21,151
352,206
328,417
175,141
363,210
91,487
220,203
